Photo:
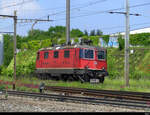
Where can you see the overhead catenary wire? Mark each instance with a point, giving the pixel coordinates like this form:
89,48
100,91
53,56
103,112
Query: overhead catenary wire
75,8
16,4
96,12
93,13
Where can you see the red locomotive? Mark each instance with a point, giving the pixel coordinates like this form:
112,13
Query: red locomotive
72,62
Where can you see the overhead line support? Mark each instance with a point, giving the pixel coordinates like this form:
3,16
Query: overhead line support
127,45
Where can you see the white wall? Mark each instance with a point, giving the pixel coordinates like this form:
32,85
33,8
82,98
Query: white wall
138,31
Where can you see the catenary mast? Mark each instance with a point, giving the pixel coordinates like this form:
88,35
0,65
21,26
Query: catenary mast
68,22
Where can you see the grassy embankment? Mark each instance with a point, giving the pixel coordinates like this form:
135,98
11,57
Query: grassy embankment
139,72
140,85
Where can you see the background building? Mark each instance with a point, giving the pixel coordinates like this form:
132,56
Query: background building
113,41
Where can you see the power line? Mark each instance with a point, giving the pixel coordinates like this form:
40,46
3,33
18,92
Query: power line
75,8
23,2
96,12
124,13
6,32
99,12
105,11
87,3
114,27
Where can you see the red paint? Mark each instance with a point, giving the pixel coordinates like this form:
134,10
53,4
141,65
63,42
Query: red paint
72,62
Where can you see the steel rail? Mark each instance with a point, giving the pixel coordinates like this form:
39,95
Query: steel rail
106,93
94,90
126,103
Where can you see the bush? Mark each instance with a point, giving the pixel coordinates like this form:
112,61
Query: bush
121,42
2,87
25,64
1,68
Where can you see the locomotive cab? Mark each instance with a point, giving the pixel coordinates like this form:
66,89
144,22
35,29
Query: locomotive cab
94,61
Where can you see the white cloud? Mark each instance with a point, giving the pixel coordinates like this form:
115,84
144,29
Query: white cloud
23,7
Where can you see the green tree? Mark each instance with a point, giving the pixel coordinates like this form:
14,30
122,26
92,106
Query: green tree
121,42
8,49
95,40
140,39
36,34
76,33
57,32
92,33
99,32
86,33
46,43
76,40
106,39
62,41
19,41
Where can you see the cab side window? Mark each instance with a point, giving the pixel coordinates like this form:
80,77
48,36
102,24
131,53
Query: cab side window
46,55
81,53
89,54
66,54
101,55
56,54
86,53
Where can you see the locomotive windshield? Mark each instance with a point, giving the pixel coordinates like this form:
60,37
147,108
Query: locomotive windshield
87,53
101,55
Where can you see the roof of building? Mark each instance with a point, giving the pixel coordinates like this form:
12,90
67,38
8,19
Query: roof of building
136,31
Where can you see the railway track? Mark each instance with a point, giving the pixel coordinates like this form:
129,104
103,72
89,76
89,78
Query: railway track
137,96
93,100
96,93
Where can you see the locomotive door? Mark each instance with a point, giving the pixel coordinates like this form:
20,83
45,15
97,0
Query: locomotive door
75,59
101,59
39,60
40,63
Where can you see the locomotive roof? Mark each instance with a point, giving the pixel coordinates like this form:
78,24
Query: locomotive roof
69,47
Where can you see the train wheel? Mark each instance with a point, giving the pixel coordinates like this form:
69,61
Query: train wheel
102,79
65,77
70,78
40,76
57,78
87,78
45,76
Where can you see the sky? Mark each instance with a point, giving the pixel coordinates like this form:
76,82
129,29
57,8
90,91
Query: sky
85,14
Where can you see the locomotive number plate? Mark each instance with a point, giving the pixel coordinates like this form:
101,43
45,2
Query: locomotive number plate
94,81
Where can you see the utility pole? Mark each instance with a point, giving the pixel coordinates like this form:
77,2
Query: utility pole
127,33
15,41
15,23
68,22
126,74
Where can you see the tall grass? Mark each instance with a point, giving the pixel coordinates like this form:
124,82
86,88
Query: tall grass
141,85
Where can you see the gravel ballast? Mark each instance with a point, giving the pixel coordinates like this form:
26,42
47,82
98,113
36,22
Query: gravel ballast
22,104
